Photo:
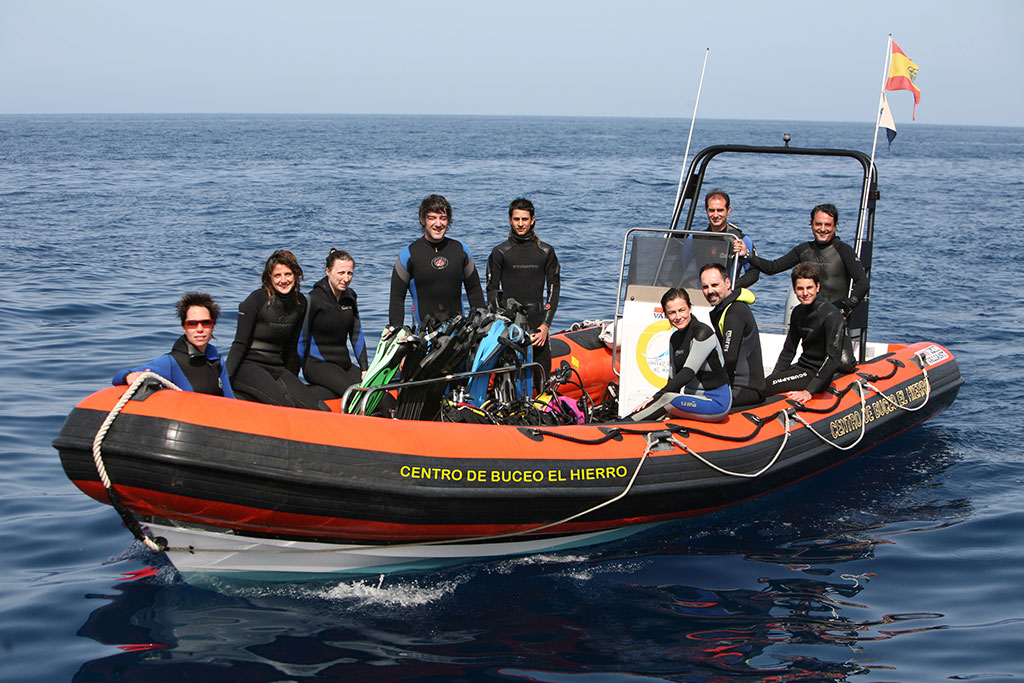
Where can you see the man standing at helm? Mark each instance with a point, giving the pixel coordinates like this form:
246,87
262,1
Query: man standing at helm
525,269
718,208
434,269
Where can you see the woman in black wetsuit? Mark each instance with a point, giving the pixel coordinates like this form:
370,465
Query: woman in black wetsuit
698,384
333,322
264,362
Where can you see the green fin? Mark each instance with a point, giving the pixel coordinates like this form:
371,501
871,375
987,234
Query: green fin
390,350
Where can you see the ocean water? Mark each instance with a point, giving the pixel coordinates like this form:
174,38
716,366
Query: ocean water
905,564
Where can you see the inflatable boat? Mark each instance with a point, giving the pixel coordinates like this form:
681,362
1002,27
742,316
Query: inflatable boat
232,487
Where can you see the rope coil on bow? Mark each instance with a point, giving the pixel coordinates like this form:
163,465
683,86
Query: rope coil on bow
97,457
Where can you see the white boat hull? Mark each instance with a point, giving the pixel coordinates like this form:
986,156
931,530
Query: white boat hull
200,551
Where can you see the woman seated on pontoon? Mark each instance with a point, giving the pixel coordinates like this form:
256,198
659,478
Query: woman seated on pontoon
264,359
698,385
332,322
193,363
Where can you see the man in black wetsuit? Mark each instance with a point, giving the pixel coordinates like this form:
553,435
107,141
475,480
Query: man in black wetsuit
434,269
737,332
822,329
717,205
836,260
525,269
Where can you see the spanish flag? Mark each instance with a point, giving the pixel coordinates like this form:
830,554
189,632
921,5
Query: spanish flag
902,74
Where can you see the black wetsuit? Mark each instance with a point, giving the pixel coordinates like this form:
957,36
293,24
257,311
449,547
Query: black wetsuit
737,332
822,329
518,269
331,323
264,361
838,264
435,274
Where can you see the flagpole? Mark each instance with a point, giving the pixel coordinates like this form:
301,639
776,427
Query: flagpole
678,204
881,91
874,144
686,154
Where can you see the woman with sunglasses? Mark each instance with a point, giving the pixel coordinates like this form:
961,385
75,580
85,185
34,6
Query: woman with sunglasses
193,363
264,361
331,325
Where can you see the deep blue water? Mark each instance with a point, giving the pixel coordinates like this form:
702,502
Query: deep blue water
905,564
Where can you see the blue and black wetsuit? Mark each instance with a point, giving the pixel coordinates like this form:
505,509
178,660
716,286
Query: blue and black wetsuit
525,269
838,264
189,368
822,329
434,273
331,324
264,361
698,387
737,332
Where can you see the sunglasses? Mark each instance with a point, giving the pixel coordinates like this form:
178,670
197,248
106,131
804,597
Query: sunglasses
193,324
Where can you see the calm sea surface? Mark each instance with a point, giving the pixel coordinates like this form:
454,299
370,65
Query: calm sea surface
905,564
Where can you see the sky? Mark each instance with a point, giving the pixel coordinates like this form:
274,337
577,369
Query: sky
817,61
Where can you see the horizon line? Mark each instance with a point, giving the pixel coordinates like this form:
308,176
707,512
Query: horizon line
453,115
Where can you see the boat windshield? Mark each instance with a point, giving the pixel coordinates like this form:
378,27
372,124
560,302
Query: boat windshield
674,259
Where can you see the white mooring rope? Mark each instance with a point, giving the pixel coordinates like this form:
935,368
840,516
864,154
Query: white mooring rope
97,445
863,423
751,475
446,541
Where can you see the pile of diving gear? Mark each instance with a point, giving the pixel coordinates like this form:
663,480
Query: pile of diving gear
548,408
475,368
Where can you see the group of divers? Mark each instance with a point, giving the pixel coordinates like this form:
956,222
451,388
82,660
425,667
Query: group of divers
712,369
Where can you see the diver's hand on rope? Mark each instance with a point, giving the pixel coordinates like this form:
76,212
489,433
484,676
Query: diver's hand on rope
132,376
